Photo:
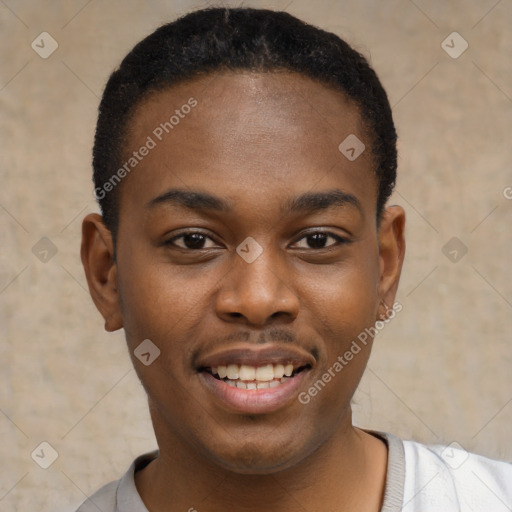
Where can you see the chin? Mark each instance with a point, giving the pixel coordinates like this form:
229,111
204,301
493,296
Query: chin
255,463
258,458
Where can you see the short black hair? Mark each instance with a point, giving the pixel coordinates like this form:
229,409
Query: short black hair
216,39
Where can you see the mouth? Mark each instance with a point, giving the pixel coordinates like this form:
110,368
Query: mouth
255,377
250,381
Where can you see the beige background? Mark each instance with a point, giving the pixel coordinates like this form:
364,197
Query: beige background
441,371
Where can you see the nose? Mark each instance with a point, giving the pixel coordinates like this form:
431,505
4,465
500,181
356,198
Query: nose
256,293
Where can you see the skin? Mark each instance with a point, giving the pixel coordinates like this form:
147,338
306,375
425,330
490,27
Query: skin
256,140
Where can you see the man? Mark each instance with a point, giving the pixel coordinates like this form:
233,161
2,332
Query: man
243,161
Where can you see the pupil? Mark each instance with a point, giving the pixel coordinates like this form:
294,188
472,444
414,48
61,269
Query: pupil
318,237
194,240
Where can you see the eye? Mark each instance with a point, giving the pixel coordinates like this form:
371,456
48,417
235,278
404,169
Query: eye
191,240
318,239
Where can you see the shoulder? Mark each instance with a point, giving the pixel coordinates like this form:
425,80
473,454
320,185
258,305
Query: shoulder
103,499
452,478
120,495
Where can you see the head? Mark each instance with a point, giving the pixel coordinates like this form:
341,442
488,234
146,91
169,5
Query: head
243,161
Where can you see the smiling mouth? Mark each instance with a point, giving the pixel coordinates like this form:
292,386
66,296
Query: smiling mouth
255,377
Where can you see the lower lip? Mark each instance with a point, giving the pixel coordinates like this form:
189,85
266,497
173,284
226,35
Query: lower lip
254,401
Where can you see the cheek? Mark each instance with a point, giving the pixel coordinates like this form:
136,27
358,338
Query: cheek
344,312
345,306
347,298
161,301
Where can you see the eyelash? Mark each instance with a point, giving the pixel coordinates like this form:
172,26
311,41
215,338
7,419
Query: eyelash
339,239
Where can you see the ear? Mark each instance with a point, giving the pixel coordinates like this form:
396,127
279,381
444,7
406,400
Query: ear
391,256
97,253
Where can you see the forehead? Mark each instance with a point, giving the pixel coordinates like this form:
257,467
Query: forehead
262,135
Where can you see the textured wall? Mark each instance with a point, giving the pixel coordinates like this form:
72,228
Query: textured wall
441,371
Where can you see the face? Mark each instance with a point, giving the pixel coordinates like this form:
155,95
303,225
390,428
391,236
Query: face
248,253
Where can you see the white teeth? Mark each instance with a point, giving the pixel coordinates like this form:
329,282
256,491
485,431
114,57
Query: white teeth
232,372
250,377
265,373
278,371
247,372
255,384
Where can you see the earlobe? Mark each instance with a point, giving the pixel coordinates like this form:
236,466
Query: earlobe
391,255
97,253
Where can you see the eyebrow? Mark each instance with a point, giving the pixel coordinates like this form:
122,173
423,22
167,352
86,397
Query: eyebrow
193,200
307,202
316,201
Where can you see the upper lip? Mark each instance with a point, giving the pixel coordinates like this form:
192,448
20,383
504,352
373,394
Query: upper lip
257,356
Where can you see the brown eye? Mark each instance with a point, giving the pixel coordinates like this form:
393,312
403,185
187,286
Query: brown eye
319,239
191,240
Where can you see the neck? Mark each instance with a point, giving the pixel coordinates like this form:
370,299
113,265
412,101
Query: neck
347,472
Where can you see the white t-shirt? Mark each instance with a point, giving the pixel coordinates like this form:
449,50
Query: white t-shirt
419,478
